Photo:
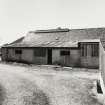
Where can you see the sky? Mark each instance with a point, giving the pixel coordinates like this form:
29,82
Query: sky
17,17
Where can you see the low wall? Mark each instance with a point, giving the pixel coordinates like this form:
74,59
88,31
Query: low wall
102,67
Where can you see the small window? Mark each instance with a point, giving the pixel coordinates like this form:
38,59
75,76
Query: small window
18,51
64,53
40,52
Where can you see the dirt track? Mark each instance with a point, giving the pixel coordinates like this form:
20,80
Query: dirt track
37,86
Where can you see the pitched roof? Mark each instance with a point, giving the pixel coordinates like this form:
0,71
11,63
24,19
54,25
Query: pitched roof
17,41
60,37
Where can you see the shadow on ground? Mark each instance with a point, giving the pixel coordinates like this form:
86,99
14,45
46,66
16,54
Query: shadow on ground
2,95
38,98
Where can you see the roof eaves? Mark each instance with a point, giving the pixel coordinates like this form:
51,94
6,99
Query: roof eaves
52,30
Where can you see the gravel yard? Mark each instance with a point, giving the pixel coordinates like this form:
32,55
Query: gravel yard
45,85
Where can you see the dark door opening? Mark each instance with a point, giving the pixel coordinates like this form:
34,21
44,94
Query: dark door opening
49,56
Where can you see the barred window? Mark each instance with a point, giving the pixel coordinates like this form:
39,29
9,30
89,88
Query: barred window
64,53
40,52
95,50
18,51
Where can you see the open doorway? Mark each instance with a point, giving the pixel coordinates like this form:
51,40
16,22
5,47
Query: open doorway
49,56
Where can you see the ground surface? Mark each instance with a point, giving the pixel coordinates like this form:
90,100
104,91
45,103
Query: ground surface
45,85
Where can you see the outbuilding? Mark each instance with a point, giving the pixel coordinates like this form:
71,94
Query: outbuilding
66,47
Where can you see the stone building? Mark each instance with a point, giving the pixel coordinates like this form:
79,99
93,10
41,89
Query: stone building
66,47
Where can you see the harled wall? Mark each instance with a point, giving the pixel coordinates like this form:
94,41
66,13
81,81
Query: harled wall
102,67
72,60
27,56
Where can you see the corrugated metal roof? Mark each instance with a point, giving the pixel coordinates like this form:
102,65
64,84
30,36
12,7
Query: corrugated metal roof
60,39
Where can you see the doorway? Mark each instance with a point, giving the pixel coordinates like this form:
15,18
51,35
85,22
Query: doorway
49,56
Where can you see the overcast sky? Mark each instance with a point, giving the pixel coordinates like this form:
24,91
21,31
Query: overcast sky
17,17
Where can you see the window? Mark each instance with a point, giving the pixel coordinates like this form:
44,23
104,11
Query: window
40,52
94,50
83,50
64,53
89,49
18,51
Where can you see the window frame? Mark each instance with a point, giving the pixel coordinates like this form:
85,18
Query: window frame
18,51
65,53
